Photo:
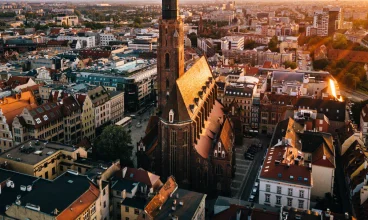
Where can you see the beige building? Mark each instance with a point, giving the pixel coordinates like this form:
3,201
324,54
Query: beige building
44,122
41,158
100,104
87,117
116,106
67,20
10,107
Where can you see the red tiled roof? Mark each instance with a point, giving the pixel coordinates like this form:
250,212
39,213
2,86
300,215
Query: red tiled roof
58,43
79,206
296,174
213,126
141,176
267,64
95,54
15,81
231,213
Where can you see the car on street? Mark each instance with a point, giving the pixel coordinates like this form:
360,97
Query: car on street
251,198
254,191
138,125
133,116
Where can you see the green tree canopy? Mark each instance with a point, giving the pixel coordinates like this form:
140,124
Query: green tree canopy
290,64
320,64
249,44
114,143
272,45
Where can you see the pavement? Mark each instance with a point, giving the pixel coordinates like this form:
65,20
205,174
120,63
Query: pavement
138,132
303,63
247,170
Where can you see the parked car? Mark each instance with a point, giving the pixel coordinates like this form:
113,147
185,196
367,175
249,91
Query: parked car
251,198
256,184
254,191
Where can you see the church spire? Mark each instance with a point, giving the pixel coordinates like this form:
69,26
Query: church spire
170,9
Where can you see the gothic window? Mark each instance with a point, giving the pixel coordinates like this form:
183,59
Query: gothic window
167,60
215,153
223,154
173,138
171,116
218,169
219,146
167,84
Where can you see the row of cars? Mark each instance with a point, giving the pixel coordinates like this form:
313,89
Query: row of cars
254,191
252,150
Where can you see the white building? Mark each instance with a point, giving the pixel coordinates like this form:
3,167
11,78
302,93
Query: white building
86,42
320,21
235,42
106,38
43,75
71,20
285,182
364,122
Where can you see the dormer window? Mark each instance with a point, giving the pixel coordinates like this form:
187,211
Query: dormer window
215,153
171,116
223,154
219,146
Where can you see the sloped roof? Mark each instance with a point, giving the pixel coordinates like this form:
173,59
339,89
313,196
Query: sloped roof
69,106
45,114
226,135
11,107
212,127
192,81
142,176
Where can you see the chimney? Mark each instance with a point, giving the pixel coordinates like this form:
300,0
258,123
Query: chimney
124,171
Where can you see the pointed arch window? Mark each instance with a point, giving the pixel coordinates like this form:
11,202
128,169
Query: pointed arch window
167,83
167,61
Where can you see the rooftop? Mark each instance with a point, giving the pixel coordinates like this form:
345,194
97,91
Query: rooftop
34,151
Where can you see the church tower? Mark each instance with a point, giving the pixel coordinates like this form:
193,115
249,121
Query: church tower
170,51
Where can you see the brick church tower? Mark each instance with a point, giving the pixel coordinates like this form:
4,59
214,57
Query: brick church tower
170,53
191,138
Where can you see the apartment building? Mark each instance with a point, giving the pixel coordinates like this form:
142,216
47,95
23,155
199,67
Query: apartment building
364,122
321,22
284,179
101,105
67,20
44,122
235,42
76,197
106,38
116,106
86,42
10,107
71,111
87,116
173,202
42,159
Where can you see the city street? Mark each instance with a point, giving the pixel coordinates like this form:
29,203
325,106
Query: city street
353,95
138,132
247,170
305,62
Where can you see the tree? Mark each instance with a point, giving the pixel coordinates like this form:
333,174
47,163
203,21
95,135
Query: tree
340,42
320,64
351,80
249,44
193,39
114,143
290,64
272,45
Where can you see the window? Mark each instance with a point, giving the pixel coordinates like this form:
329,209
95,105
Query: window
301,204
290,191
301,193
93,209
268,187
173,138
279,190
53,171
61,168
289,201
267,198
46,174
136,211
167,61
104,191
126,209
104,204
278,200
